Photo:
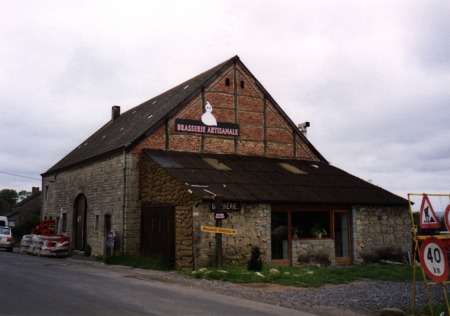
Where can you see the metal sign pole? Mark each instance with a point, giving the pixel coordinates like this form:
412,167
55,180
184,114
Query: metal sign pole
218,202
218,245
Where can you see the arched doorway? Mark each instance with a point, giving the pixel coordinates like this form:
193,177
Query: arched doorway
79,222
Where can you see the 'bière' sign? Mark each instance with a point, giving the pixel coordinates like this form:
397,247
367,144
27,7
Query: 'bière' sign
226,207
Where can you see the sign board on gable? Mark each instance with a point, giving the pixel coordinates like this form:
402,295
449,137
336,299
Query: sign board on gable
428,218
207,125
191,126
434,259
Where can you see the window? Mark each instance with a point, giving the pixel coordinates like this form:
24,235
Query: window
64,223
96,222
311,224
47,190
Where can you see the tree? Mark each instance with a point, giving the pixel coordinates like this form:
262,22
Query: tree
9,195
23,194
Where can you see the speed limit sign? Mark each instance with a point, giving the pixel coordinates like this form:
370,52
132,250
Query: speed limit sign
433,259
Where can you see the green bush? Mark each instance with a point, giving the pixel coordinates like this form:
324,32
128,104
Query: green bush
87,250
255,263
26,227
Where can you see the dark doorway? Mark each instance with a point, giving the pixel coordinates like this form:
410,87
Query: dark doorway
158,233
79,222
342,237
108,248
280,238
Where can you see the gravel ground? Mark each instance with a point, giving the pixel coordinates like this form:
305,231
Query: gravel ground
358,298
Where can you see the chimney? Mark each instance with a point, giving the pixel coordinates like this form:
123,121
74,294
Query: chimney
115,112
34,190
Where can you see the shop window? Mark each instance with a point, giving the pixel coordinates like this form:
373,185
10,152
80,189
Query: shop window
96,222
311,224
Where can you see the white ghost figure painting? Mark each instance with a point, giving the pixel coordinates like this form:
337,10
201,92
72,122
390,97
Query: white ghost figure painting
207,117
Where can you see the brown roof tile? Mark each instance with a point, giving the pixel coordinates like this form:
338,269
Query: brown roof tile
261,179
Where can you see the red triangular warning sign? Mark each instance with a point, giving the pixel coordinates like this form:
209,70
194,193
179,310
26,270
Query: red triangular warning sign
428,218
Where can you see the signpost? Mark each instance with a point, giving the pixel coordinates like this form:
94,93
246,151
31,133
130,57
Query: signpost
218,203
447,217
218,230
428,218
225,207
433,258
430,245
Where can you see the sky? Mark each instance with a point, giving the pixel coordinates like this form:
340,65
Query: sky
371,77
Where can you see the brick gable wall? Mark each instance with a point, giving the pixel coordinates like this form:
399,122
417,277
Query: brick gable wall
236,98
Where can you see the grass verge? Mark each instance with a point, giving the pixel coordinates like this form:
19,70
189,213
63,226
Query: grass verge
309,276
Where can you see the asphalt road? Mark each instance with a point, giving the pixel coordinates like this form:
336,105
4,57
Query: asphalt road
32,285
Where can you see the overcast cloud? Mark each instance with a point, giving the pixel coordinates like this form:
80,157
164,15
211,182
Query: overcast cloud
372,77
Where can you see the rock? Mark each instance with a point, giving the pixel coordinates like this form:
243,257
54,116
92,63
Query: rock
260,275
273,272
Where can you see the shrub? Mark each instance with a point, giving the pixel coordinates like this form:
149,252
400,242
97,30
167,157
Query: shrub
88,250
255,263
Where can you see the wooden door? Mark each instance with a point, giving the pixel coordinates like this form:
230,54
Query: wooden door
158,233
79,222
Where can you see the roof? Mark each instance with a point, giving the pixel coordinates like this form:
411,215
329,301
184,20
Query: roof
27,199
263,179
135,124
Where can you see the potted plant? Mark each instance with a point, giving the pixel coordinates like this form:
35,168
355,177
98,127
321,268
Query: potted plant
295,231
318,232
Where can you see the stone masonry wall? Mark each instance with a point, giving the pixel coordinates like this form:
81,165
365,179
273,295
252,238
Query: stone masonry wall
311,251
380,229
253,229
102,183
158,188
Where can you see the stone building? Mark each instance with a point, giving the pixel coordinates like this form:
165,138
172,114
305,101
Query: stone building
27,210
156,174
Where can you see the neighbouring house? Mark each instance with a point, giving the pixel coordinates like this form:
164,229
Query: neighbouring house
27,210
5,206
217,150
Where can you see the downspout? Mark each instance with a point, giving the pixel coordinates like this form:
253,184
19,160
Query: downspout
124,195
44,194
